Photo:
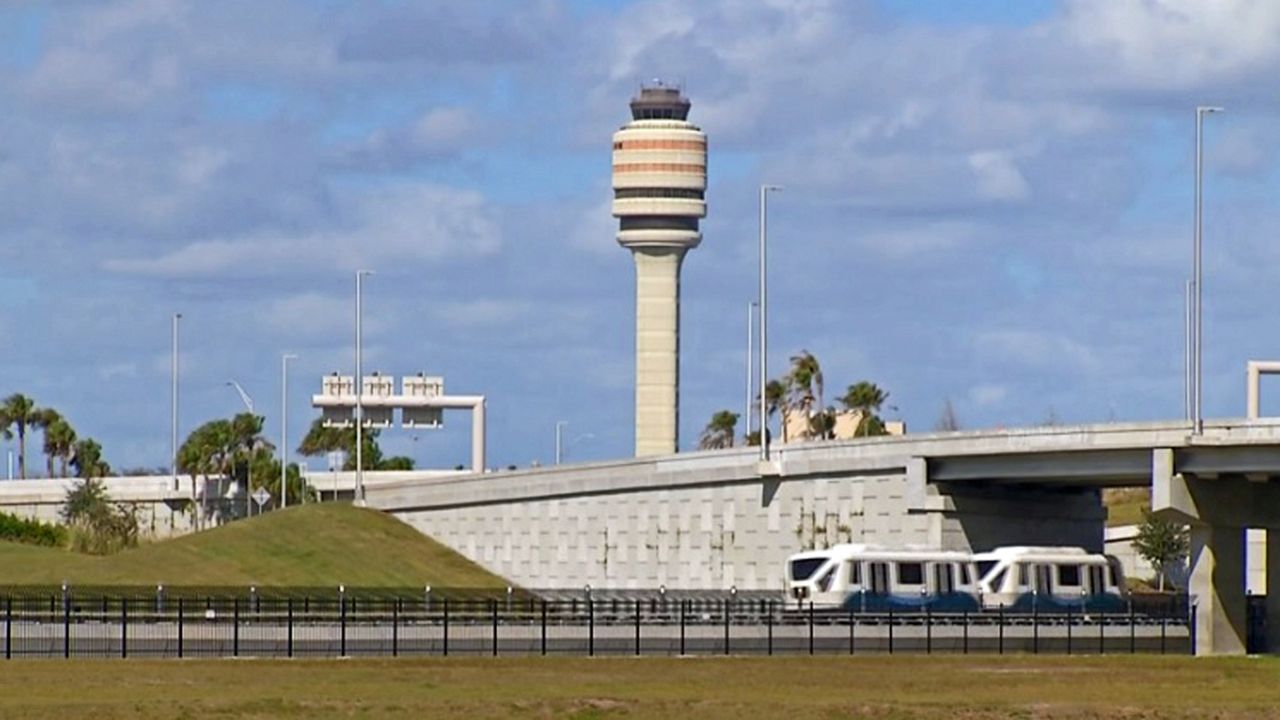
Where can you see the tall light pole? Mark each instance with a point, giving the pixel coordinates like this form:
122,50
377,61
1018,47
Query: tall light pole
746,408
360,274
284,428
1197,271
248,479
560,424
764,319
1188,321
173,416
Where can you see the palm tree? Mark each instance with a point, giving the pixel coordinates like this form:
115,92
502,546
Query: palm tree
866,398
21,412
719,431
87,459
775,399
804,381
59,441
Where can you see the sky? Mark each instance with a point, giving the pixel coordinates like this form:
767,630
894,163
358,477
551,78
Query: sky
987,203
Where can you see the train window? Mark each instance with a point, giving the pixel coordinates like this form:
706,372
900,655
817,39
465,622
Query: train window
1022,575
855,573
1044,579
1111,575
804,568
996,581
1068,576
985,566
910,573
824,583
964,574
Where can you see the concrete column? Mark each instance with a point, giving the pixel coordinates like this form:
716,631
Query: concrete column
657,349
1272,563
1217,588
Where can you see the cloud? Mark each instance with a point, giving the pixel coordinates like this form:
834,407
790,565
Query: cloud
383,227
998,177
988,394
1035,349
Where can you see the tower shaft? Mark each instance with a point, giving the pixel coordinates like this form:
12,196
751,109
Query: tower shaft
657,349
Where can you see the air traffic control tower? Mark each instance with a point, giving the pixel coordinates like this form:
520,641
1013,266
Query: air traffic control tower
659,183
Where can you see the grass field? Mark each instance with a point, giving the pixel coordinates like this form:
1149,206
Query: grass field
1125,505
313,545
972,688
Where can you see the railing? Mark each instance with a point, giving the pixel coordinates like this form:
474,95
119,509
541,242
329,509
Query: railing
71,624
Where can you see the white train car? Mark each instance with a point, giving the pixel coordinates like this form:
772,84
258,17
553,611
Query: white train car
1022,579
870,578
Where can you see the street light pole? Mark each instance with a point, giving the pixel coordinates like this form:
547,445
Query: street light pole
1197,272
173,428
248,471
284,428
560,424
764,320
360,386
746,408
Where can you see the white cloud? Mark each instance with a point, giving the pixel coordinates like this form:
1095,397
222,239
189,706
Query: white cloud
998,176
383,227
1036,349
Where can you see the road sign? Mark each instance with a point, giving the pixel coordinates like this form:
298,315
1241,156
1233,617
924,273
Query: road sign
261,497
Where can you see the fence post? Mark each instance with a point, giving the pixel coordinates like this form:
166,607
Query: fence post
1163,617
768,622
1132,639
124,626
890,629
852,624
965,630
810,627
544,626
342,622
1192,609
725,605
493,607
637,627
66,622
1035,625
1000,630
591,628
682,627
1068,629
1102,631
179,626
289,627
446,627
395,627
928,630
235,626
8,627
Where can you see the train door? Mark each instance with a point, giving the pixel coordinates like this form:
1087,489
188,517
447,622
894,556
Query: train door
879,576
1043,578
943,579
1097,579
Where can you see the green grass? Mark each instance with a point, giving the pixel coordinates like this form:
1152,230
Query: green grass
972,688
318,545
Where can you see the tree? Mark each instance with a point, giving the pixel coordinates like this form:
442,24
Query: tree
866,398
1162,543
396,462
321,440
59,440
947,422
804,382
87,459
822,425
775,399
98,526
719,431
20,412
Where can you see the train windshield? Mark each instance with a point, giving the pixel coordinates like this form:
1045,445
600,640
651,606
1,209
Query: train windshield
804,568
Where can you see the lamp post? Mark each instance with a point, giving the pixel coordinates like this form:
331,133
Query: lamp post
360,274
173,416
560,425
284,428
764,320
248,479
746,408
1197,271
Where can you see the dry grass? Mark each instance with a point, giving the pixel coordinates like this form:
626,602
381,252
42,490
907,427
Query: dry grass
973,688
1125,505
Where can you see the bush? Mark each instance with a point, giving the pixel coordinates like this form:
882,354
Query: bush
31,532
97,526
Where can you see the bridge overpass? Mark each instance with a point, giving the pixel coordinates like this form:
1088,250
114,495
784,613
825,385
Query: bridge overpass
722,519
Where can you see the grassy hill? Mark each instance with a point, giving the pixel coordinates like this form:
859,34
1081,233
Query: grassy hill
317,545
1125,505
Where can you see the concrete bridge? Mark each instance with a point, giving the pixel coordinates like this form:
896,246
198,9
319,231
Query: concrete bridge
721,519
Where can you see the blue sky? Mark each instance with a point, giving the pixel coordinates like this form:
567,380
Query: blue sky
987,202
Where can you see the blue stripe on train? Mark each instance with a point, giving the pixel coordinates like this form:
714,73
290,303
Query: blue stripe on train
1027,602
949,602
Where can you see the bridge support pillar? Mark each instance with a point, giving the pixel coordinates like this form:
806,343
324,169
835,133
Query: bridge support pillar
1217,588
1273,589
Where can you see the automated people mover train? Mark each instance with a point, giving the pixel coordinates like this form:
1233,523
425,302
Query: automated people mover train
869,578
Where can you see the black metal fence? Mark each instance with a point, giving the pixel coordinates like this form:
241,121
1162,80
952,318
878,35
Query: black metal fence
77,625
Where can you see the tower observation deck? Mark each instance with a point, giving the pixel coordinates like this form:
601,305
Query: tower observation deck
659,186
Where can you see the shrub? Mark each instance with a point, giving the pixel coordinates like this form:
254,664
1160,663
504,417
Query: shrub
31,532
97,526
